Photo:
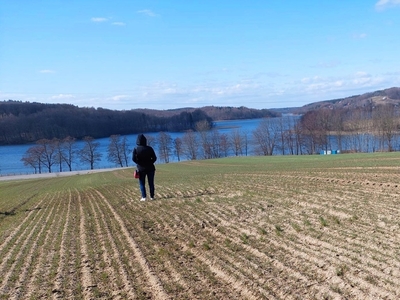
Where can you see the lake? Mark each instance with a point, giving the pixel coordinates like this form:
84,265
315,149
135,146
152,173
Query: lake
11,164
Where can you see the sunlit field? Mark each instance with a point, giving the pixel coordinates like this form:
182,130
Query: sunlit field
281,227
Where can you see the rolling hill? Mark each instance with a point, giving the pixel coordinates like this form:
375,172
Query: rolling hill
386,96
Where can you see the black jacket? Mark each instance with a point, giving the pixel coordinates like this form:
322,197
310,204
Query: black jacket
143,155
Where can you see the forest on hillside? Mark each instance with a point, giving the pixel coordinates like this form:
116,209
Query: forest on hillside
218,113
373,129
370,101
25,122
322,130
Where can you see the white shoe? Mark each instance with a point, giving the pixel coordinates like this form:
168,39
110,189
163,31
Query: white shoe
143,199
152,199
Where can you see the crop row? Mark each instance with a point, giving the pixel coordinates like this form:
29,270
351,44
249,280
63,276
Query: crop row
276,235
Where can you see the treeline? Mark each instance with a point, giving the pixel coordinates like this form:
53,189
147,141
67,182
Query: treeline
363,129
360,130
47,156
24,122
369,101
218,113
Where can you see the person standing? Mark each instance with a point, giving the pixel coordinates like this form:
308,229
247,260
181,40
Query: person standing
145,157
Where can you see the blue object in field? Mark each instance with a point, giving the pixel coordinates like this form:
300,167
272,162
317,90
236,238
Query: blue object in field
328,152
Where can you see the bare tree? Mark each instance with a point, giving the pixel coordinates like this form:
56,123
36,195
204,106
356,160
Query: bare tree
215,143
125,150
361,126
178,147
203,128
281,126
298,135
324,124
48,152
58,153
265,136
338,125
356,126
292,137
164,146
314,132
115,151
385,122
89,153
190,145
246,142
33,158
289,141
151,141
237,141
68,150
288,137
225,144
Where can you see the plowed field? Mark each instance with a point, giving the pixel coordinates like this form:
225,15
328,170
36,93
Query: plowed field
310,227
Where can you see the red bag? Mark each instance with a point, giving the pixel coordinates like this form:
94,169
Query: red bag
136,174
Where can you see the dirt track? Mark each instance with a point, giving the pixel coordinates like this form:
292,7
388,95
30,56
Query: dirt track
318,235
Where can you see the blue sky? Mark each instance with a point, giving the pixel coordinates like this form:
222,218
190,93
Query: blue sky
124,54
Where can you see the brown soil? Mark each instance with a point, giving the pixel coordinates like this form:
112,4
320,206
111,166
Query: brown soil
314,235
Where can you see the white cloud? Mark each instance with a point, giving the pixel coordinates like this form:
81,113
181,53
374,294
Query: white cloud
118,23
46,71
103,20
363,78
99,20
325,88
216,91
322,87
382,4
62,97
361,74
147,12
360,36
309,80
119,97
163,92
327,64
234,89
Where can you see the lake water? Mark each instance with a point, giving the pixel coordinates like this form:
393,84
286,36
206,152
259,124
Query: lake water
11,164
